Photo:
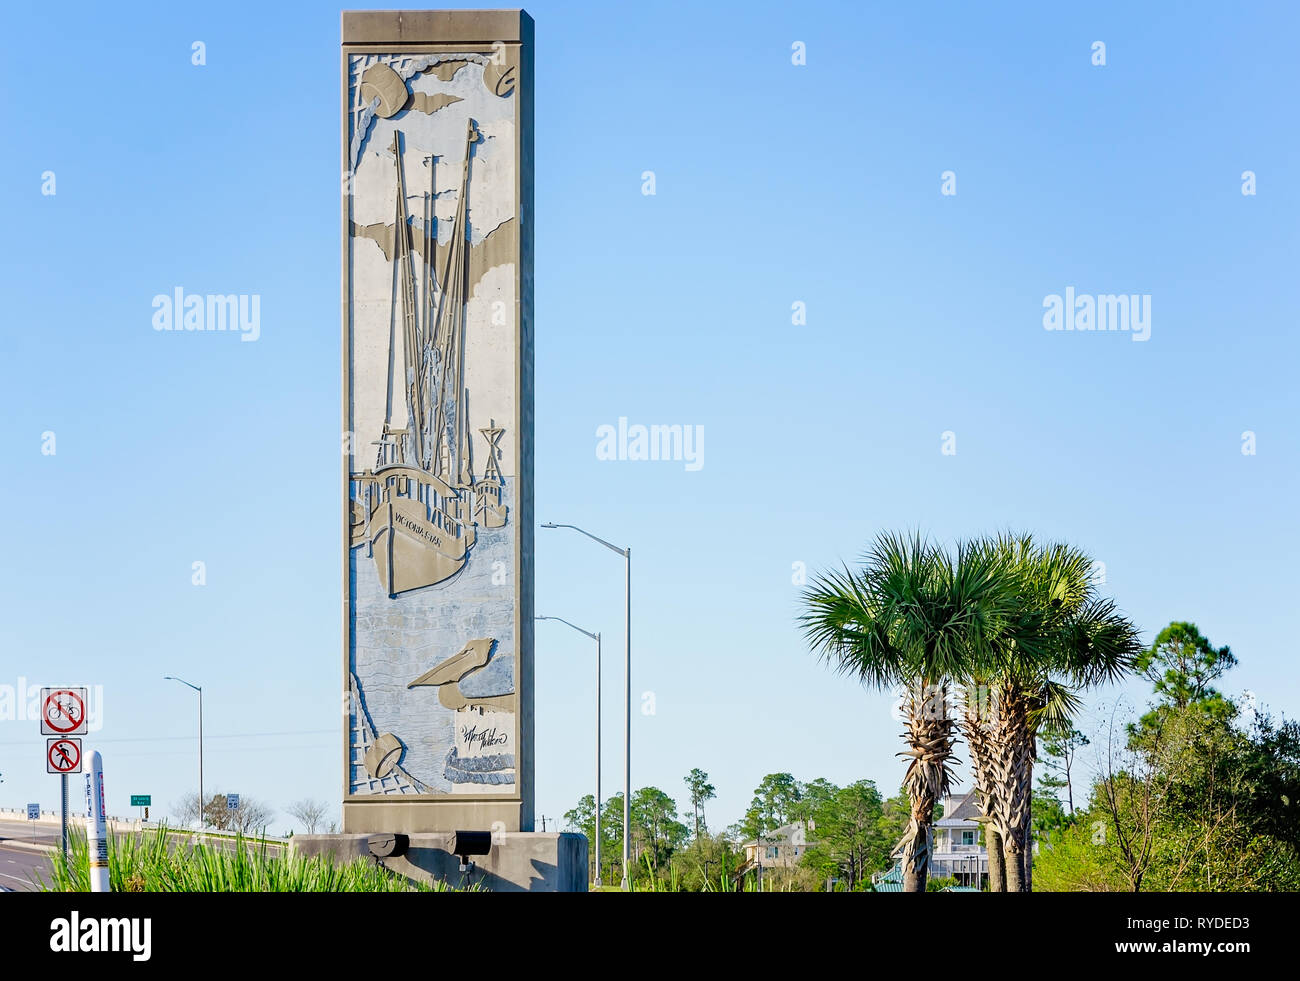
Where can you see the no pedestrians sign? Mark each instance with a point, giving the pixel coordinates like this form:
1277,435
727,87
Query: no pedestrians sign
63,755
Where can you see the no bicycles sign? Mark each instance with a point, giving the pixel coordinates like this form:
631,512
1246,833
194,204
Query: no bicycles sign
63,711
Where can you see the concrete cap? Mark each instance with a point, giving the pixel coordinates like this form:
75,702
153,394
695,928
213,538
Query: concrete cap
435,26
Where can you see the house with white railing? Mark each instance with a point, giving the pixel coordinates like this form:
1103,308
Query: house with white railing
959,851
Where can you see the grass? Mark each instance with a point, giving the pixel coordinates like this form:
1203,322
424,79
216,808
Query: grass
723,883
210,832
155,862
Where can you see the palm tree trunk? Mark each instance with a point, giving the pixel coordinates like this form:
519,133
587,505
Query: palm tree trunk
1027,877
1011,769
916,861
997,862
1025,787
975,727
930,736
1015,868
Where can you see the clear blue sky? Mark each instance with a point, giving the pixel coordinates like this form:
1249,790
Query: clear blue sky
775,184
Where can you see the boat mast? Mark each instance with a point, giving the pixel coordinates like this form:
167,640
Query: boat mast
451,327
427,339
384,455
462,275
492,472
412,380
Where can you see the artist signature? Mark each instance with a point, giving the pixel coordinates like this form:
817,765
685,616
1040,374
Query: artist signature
482,738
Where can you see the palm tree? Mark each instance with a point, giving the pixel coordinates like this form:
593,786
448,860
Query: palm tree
910,618
1059,637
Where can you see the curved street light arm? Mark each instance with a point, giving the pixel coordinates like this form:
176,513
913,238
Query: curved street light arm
573,625
594,538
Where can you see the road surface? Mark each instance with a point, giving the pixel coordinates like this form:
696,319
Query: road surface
45,834
19,868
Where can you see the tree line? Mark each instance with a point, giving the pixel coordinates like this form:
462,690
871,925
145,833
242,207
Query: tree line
253,816
995,642
1199,794
853,830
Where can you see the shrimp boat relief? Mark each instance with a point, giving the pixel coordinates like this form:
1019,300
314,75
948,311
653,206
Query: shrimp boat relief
416,511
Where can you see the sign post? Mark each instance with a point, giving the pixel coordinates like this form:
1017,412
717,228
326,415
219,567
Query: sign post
63,818
63,756
142,801
63,716
33,813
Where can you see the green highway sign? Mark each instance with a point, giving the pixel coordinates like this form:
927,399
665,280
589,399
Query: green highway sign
141,800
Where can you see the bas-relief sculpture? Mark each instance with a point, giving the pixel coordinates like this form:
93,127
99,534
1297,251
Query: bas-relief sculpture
434,471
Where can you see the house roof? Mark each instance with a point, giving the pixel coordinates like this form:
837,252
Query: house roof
777,836
967,812
891,881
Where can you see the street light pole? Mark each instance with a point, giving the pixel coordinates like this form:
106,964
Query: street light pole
627,694
596,637
202,814
599,881
627,716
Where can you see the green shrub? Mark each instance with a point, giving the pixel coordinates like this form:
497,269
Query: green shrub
164,861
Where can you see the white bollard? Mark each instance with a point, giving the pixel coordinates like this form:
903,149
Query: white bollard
97,825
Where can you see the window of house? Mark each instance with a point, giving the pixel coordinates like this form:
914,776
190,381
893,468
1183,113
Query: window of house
968,837
771,851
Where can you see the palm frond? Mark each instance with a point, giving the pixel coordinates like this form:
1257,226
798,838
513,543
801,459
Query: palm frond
1053,706
1103,644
